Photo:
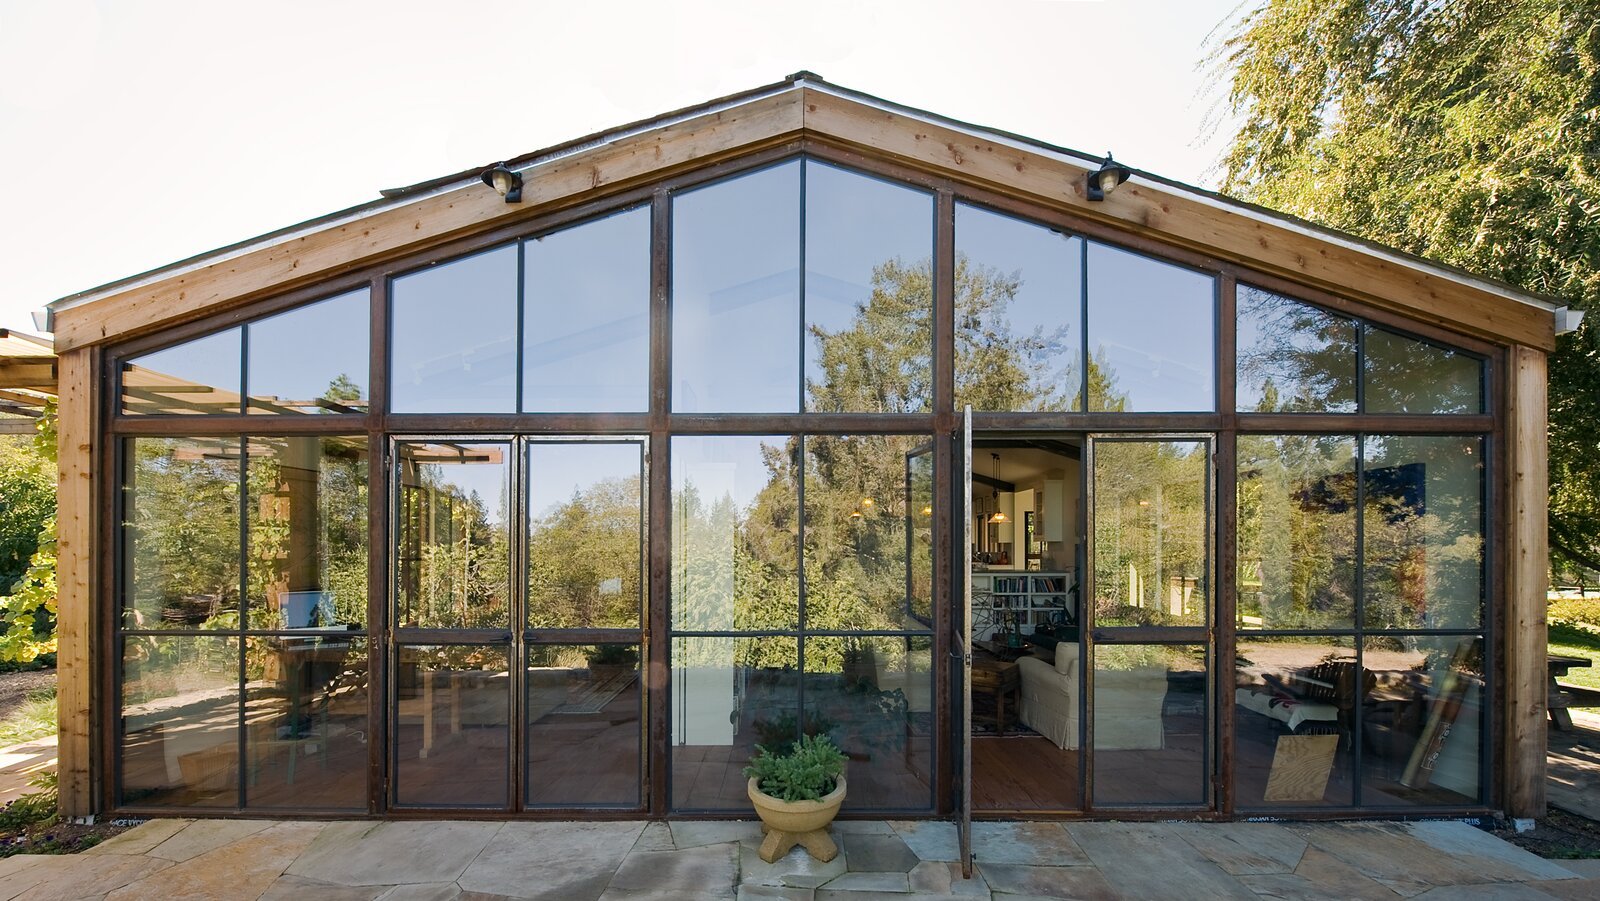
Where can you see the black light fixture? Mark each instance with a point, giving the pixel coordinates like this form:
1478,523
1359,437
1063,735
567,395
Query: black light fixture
1105,179
507,183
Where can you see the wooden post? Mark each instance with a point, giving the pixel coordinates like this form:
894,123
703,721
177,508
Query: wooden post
75,578
1527,581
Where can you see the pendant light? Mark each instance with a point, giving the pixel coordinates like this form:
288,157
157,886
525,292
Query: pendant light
999,516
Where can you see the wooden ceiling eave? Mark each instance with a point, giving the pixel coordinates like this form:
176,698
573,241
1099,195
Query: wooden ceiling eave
963,157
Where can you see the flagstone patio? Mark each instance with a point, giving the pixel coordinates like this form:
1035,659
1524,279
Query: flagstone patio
438,860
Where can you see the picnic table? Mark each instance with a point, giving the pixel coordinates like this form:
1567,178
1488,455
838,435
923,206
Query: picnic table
1558,699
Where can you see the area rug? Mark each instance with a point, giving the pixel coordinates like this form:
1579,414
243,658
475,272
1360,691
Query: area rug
594,696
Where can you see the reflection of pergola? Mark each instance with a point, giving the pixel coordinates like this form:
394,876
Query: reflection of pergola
27,380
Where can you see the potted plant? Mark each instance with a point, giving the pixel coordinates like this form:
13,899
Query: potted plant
797,795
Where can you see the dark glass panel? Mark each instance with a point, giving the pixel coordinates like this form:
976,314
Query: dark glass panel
1422,721
735,522
856,546
583,711
453,564
306,722
452,735
874,697
453,336
1151,532
181,534
199,376
736,295
1404,375
1297,531
180,721
585,529
308,532
868,294
1019,314
1152,334
1422,532
312,359
728,695
586,332
1149,705
1293,357
1294,722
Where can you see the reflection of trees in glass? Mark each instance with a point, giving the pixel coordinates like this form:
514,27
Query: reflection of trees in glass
308,526
1293,357
583,559
1423,532
182,531
455,560
1408,376
855,534
1296,532
997,369
883,362
1150,523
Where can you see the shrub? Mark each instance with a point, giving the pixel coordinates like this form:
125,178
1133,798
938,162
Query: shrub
809,772
1576,611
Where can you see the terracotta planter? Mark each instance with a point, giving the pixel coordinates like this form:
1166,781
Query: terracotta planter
790,823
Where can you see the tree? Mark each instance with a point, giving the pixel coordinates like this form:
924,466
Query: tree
1463,131
28,536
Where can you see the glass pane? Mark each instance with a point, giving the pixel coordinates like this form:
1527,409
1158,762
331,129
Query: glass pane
308,532
1019,314
1294,722
919,517
856,546
868,294
1152,334
306,722
180,721
874,697
736,295
728,695
199,376
453,564
1422,721
312,359
585,547
586,336
1149,706
1297,532
453,344
1293,357
1151,532
1408,376
452,736
584,726
735,521
180,534
1422,532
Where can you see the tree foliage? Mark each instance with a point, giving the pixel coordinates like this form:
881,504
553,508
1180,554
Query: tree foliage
1464,131
28,538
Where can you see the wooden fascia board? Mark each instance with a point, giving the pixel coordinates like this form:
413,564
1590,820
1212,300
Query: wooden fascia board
1185,222
428,221
28,372
998,166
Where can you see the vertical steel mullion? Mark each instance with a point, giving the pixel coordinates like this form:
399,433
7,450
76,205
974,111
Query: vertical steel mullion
1358,728
1225,635
943,735
242,785
381,536
800,561
1083,323
801,269
1086,579
656,642
516,654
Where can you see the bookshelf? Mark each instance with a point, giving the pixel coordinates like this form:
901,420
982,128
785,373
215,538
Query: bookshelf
1036,596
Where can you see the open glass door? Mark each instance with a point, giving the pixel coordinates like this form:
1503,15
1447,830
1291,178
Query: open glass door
1150,614
962,645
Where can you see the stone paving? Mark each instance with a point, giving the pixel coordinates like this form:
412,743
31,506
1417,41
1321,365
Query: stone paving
1573,778
477,861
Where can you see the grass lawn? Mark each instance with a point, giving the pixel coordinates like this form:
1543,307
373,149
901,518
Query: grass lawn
1575,632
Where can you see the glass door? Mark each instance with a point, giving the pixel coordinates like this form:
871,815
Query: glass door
517,617
1150,613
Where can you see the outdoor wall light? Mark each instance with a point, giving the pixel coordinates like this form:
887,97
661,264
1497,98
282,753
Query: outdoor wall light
506,183
1105,179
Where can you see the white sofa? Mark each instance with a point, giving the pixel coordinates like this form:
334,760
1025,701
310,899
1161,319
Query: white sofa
1127,702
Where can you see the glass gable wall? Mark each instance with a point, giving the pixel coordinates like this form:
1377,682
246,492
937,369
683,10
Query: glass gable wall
682,463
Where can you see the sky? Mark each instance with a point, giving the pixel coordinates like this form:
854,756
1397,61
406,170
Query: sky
135,133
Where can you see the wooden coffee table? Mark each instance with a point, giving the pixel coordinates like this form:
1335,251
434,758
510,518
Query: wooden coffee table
997,680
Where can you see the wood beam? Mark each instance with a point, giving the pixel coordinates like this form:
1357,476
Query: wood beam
1186,222
75,577
30,372
18,427
1527,584
429,221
